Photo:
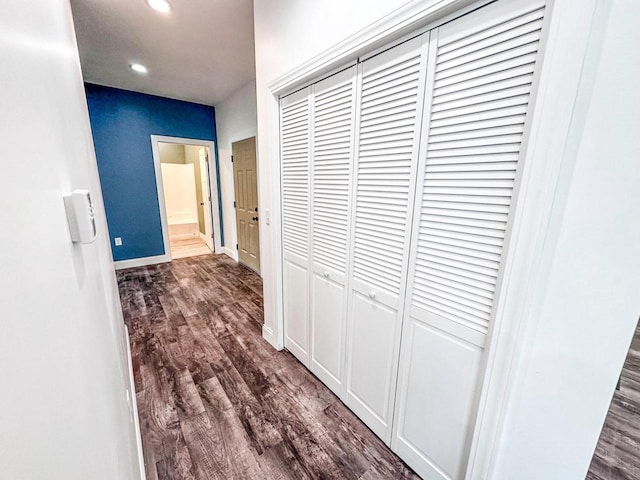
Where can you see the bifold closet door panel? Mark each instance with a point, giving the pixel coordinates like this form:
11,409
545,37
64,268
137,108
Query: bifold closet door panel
295,131
332,153
328,331
481,70
387,138
296,309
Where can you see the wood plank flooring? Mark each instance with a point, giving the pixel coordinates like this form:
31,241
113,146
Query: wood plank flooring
216,401
617,455
189,247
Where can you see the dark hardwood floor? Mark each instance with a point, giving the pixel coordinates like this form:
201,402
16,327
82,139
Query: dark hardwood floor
617,455
216,401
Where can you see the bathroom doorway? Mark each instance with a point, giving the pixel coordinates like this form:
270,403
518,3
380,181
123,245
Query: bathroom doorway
186,178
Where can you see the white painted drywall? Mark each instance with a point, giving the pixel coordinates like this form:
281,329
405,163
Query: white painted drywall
63,364
586,307
235,120
288,33
171,152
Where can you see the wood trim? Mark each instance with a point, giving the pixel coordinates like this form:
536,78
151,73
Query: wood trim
134,408
213,187
141,262
411,19
231,253
274,333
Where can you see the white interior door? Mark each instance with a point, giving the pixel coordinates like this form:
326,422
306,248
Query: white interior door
480,74
206,196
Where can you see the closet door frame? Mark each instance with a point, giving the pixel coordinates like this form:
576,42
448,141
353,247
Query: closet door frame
562,53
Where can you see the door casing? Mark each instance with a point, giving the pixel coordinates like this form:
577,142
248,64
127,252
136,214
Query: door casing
213,189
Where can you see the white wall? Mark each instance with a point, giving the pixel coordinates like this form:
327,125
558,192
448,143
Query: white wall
171,152
587,305
63,374
235,120
287,33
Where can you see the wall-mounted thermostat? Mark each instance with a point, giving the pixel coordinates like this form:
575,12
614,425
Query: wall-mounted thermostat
80,216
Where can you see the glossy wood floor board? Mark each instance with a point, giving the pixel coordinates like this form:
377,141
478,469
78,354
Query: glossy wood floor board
216,401
617,455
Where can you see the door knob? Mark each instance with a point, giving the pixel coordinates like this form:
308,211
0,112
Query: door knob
256,209
255,219
202,204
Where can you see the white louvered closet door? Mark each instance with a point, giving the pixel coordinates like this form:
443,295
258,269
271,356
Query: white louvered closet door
295,144
332,150
479,86
392,88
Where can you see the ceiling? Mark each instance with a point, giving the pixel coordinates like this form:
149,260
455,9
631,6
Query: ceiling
201,51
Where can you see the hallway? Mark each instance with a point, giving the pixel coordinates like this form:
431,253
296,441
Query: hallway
216,401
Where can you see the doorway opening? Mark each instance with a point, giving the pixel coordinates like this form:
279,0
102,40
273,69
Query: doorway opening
187,196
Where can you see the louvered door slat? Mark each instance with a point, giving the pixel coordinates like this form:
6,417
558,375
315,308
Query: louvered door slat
391,92
385,151
472,155
332,152
295,159
295,176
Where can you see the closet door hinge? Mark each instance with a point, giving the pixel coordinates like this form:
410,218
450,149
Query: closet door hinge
234,204
236,246
231,158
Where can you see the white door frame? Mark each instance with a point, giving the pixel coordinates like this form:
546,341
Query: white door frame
213,189
570,26
207,236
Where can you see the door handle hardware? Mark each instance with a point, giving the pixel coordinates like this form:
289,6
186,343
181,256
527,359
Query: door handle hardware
255,219
202,204
256,209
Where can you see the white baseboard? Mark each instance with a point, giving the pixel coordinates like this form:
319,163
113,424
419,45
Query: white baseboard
142,262
134,407
232,253
267,334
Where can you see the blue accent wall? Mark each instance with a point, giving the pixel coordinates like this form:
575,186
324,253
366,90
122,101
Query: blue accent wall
122,123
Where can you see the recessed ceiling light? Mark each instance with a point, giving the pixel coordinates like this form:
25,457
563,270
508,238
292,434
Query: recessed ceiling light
160,5
136,67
